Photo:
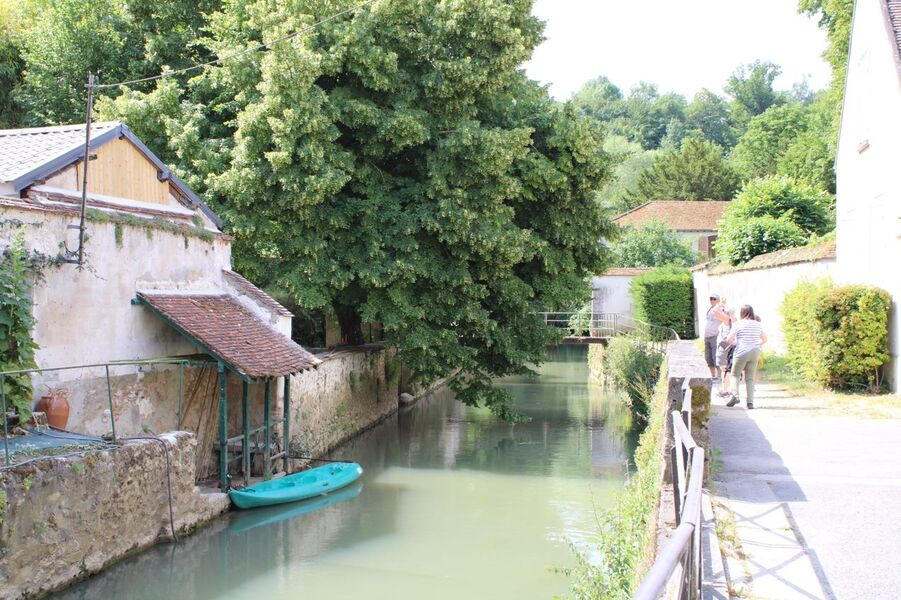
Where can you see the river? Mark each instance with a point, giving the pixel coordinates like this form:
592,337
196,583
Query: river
453,504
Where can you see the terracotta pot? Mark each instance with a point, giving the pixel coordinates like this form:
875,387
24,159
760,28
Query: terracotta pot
57,409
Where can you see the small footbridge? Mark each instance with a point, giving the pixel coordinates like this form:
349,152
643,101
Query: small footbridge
584,327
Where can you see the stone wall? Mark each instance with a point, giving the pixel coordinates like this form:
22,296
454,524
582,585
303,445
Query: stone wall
350,391
65,518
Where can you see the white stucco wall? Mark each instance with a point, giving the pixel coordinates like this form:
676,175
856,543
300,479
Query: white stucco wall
763,289
868,206
610,294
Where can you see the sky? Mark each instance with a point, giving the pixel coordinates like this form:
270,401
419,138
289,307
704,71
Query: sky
680,46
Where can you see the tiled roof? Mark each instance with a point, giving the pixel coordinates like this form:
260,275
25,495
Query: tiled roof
626,271
230,332
256,293
824,251
25,150
678,215
894,12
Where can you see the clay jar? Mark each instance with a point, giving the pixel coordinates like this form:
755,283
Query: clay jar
57,409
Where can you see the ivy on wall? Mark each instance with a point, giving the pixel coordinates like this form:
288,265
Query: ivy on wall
17,348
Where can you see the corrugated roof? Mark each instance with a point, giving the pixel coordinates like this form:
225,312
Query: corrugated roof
894,11
230,332
23,151
678,215
256,293
824,251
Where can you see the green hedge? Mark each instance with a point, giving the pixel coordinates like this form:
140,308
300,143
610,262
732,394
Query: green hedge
837,336
664,297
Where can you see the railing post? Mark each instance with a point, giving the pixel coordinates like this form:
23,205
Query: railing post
5,420
286,398
245,440
223,427
267,450
109,393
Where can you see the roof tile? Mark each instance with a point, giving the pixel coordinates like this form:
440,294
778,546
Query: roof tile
256,293
232,333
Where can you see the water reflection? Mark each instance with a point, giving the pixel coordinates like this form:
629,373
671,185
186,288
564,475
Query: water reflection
453,504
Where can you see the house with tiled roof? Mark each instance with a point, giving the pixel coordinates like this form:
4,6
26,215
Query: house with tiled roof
868,191
155,286
696,221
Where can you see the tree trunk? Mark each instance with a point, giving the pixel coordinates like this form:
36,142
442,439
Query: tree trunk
351,325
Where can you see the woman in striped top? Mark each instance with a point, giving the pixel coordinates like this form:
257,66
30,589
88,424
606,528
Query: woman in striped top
748,336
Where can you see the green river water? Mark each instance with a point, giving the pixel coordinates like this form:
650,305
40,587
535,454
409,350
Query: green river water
454,504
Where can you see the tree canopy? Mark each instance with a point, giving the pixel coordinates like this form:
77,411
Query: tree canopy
653,245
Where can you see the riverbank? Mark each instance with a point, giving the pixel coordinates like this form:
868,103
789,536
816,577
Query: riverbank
814,496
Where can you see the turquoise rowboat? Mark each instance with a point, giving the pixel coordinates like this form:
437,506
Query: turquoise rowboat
299,486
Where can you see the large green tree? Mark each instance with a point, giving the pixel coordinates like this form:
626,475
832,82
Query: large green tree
752,90
397,167
696,171
653,245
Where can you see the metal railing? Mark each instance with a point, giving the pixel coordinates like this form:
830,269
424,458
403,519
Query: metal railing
678,566
607,325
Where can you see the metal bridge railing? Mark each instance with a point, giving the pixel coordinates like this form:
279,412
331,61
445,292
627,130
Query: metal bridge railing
607,325
678,566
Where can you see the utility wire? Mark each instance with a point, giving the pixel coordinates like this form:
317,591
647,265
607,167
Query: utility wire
264,46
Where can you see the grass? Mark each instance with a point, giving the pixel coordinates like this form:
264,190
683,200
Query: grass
807,394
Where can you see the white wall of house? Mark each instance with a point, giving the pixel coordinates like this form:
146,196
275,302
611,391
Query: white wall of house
763,289
610,294
868,206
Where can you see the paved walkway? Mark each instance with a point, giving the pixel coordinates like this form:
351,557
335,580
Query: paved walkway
816,500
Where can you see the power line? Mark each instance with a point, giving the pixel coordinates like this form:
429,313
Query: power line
264,46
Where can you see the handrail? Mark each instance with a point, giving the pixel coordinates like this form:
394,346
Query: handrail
609,325
681,556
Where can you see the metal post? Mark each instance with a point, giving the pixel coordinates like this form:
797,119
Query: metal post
223,428
109,394
5,420
286,399
245,423
181,392
267,423
84,171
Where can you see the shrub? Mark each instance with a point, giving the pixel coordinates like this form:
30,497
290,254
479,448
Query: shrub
653,245
799,326
741,240
664,297
632,365
837,336
770,214
852,335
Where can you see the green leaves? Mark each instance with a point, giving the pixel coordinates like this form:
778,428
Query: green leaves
17,348
653,245
663,297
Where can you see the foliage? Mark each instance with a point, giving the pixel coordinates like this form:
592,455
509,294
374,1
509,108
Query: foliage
798,312
835,17
768,137
742,239
627,532
11,63
631,161
751,88
664,297
839,339
580,321
771,214
633,365
17,348
653,245
709,116
395,167
696,171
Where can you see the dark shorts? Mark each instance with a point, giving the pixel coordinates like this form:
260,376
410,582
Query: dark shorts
710,351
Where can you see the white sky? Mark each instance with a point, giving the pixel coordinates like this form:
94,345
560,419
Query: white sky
681,46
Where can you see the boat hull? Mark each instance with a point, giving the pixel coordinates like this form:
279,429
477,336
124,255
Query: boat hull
299,486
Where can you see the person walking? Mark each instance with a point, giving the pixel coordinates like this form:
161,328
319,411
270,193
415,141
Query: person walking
715,316
724,351
748,337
